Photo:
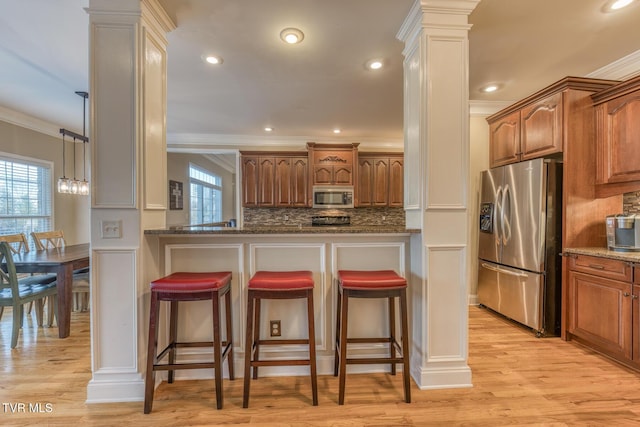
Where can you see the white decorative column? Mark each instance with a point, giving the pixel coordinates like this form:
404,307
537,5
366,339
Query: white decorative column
127,88
436,128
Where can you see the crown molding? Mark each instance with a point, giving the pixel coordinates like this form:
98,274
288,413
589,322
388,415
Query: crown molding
214,141
223,162
486,108
622,69
29,122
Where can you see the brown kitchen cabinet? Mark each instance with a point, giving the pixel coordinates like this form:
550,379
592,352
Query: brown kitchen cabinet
504,140
618,138
534,130
258,179
332,164
380,180
274,179
603,309
292,179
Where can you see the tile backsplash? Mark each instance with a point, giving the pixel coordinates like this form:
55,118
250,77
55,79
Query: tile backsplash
295,216
631,203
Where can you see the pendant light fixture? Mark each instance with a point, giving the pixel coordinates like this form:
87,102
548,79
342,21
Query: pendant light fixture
75,186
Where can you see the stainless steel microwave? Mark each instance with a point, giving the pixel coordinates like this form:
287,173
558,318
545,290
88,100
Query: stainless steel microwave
332,196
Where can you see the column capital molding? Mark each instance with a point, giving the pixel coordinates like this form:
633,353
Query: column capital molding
444,15
126,8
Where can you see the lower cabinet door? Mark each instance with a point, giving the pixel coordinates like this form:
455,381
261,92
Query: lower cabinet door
600,312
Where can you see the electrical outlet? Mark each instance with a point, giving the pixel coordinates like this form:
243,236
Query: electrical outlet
275,328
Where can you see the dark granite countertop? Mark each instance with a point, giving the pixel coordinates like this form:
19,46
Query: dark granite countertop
605,253
293,229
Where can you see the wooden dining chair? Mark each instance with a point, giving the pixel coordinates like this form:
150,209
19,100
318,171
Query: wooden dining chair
18,243
15,295
81,285
48,239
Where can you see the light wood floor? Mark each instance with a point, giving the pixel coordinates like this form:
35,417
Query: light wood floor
518,380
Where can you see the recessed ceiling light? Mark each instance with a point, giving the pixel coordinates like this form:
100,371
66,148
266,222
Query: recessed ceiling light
268,129
211,59
291,35
490,88
337,131
615,5
374,64
619,4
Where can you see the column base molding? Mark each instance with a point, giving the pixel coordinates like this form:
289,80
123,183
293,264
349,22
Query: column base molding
115,387
435,378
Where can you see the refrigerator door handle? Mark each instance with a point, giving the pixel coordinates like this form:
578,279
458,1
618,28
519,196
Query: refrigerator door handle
497,216
506,215
503,271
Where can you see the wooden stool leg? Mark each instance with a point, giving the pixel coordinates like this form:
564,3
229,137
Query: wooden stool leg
405,346
312,346
256,337
229,338
336,356
150,378
343,345
173,336
248,349
392,332
217,347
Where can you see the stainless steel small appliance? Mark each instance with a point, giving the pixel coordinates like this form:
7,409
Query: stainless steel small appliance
332,196
623,232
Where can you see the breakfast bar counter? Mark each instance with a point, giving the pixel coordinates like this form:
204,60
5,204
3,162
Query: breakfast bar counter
323,250
283,229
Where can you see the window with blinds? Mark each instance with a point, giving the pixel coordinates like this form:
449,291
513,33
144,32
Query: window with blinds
25,195
206,196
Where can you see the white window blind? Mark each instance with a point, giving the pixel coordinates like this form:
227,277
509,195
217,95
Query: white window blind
206,196
25,195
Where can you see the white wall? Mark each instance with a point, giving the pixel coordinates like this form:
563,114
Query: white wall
71,212
478,161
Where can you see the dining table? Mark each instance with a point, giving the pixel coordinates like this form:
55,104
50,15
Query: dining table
62,261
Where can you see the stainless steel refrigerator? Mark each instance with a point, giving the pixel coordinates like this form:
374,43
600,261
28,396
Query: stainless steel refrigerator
520,239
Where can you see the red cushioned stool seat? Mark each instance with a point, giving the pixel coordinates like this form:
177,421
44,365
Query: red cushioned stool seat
277,285
188,286
377,279
281,280
191,282
372,284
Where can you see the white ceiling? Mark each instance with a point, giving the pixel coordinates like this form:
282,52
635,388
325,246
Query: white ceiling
306,90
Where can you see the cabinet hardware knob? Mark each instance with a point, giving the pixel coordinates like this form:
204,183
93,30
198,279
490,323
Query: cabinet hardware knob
626,294
634,296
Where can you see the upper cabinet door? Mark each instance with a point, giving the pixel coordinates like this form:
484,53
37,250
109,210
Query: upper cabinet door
396,182
541,132
299,182
249,181
266,181
365,181
283,182
504,140
618,122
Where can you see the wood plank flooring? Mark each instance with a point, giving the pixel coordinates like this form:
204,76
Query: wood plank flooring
518,380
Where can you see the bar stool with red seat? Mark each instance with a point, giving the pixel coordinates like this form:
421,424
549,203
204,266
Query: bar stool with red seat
277,285
372,284
186,286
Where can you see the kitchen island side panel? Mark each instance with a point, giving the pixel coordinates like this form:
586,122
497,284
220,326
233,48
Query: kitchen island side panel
322,254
